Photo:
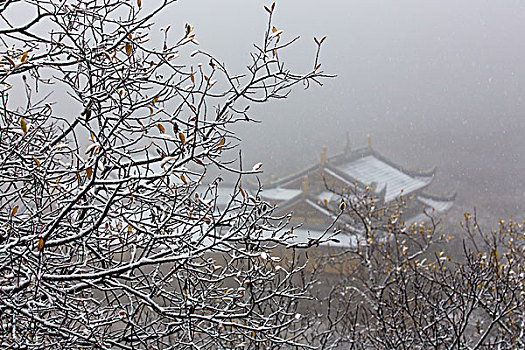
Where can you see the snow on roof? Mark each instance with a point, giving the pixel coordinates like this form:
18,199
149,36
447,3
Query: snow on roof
327,195
369,169
439,205
279,193
344,239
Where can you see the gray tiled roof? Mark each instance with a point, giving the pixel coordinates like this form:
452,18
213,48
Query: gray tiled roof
369,170
439,205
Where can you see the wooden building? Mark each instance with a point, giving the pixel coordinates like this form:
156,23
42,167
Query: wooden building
306,196
305,193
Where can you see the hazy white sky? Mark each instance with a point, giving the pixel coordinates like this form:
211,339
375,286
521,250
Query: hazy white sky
434,82
404,64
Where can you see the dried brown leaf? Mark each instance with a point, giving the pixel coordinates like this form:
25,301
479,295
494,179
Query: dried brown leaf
10,61
23,125
40,244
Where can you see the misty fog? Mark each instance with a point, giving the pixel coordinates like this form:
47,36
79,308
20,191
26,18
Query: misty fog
435,83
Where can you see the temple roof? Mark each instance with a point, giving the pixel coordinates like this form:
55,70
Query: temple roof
369,170
279,193
363,166
441,205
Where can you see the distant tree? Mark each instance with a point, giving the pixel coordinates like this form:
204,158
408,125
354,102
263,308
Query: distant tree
400,289
108,236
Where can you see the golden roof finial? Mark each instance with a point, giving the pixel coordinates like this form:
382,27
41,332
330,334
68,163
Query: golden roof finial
348,149
304,187
323,156
369,141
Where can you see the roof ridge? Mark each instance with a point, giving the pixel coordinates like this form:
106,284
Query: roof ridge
447,197
419,173
291,177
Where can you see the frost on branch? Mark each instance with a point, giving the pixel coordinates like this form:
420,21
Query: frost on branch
407,285
110,235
